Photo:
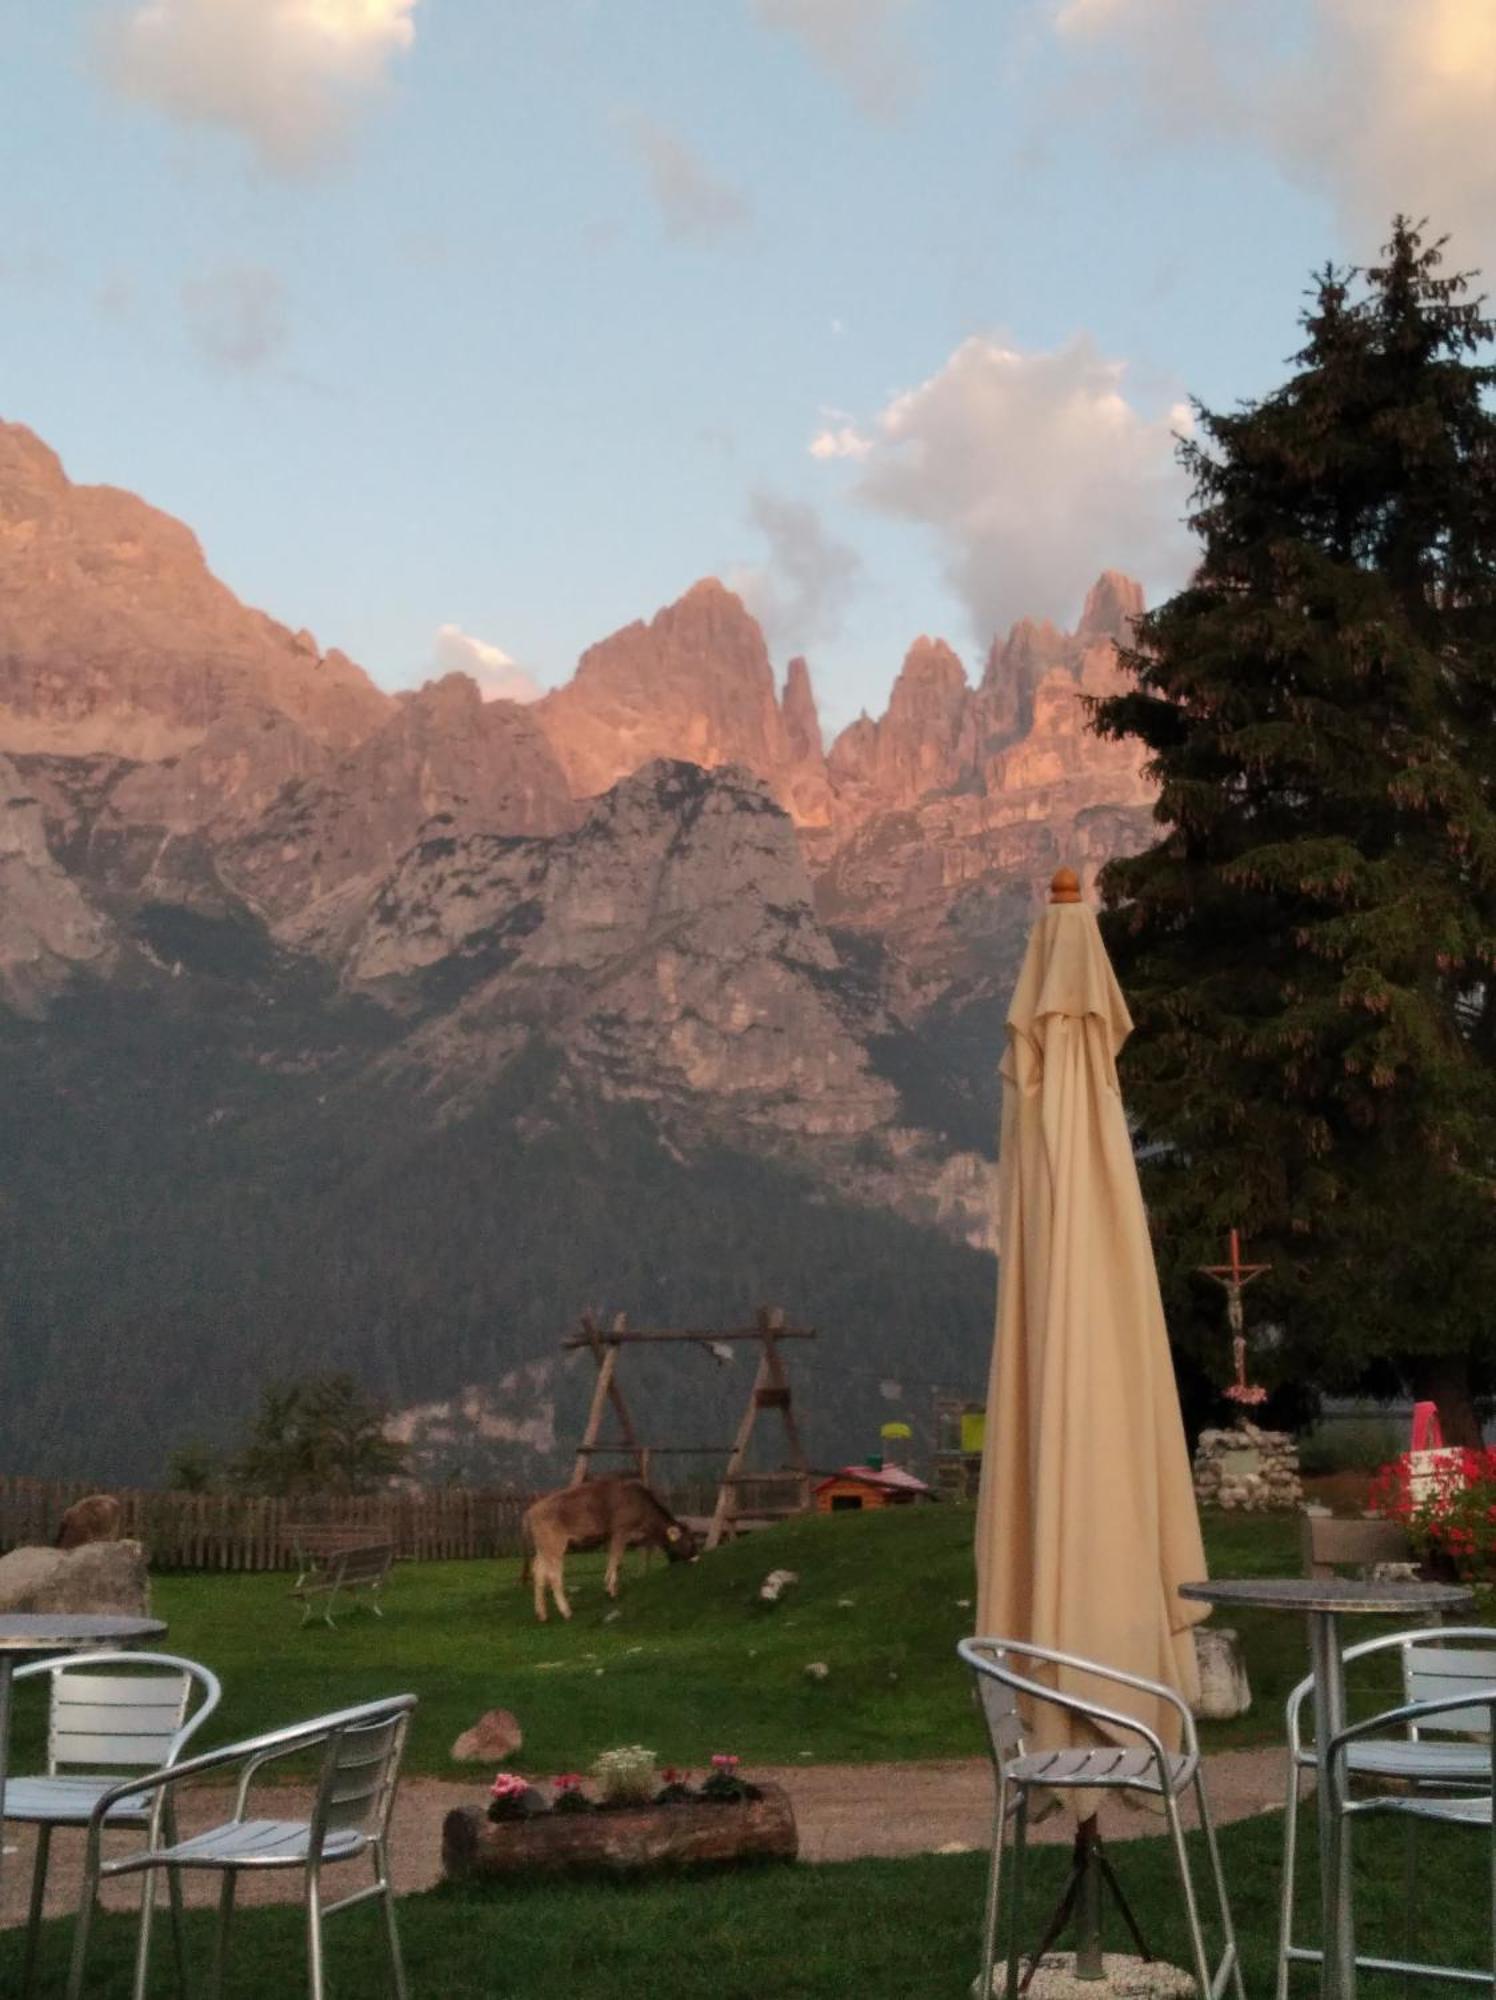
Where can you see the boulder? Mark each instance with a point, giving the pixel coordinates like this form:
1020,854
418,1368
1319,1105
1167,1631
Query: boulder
101,1576
492,1738
1224,1691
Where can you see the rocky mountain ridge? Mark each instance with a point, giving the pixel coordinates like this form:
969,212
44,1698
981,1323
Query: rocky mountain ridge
650,917
186,745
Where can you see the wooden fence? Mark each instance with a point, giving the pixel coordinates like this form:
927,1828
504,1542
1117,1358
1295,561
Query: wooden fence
240,1531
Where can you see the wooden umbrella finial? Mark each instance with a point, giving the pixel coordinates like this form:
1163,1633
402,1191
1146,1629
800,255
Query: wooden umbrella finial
1064,886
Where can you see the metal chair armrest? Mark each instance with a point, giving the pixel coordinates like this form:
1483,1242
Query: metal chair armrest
255,1764
296,1736
1415,1711
1072,1704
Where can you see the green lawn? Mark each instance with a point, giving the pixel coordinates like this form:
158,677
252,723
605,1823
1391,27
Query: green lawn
692,1662
879,1930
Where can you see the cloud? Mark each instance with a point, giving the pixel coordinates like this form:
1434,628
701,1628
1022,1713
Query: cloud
1032,472
695,205
800,594
856,42
288,76
840,441
236,315
1377,105
499,679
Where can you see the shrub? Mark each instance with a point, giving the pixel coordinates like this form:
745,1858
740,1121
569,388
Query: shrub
1450,1514
627,1777
1347,1444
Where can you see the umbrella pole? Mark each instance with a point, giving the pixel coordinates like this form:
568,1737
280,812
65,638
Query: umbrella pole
1089,1963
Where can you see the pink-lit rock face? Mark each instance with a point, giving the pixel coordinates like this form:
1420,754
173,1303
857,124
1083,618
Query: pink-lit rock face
695,683
167,743
115,636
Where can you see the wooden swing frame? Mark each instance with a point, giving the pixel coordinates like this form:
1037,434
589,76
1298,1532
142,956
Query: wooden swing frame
770,1391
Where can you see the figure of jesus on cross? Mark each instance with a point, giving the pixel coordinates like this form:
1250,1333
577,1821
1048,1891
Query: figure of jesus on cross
1234,1279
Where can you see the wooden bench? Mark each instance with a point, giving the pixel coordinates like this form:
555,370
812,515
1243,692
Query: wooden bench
330,1560
1332,1543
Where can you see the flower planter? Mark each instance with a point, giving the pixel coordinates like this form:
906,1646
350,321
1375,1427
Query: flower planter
621,1840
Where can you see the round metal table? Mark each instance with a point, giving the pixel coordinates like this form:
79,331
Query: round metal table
1324,1601
42,1635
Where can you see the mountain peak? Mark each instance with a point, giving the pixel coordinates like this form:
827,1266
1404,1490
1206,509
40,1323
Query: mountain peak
1112,603
116,637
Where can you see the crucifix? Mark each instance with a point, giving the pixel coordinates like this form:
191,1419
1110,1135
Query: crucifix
1233,1278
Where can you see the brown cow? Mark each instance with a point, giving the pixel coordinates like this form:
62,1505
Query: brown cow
611,1513
94,1519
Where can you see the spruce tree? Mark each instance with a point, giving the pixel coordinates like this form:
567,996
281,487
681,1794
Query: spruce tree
1308,947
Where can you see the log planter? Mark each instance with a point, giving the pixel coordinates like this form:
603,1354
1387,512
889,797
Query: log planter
621,1840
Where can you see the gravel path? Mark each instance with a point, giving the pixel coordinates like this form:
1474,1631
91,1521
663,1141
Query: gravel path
844,1811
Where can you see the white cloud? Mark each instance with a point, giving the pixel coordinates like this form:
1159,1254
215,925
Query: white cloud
1033,472
694,204
840,441
499,679
236,315
1378,105
799,595
856,41
288,76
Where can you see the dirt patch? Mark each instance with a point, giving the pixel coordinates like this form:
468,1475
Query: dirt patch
844,1811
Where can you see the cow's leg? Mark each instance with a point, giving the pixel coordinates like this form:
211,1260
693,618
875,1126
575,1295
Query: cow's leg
537,1579
558,1585
616,1548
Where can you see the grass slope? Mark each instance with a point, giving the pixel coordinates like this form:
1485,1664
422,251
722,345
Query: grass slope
692,1662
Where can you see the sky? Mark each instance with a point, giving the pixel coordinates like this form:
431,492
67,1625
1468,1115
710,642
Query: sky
463,332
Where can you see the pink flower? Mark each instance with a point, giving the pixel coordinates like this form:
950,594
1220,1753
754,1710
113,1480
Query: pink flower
724,1762
508,1785
568,1781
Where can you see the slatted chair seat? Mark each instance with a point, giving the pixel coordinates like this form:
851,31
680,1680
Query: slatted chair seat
259,1843
109,1714
1009,1699
68,1801
359,1751
1136,1770
1448,1673
1426,1763
1452,1812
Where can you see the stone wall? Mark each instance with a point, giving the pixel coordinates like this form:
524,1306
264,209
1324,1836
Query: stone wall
1246,1468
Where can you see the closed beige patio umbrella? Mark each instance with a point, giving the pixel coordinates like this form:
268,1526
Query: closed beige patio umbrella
1086,1521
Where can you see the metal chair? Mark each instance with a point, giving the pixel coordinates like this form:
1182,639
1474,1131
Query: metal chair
1435,1661
1147,1768
360,1766
109,1712
1466,1706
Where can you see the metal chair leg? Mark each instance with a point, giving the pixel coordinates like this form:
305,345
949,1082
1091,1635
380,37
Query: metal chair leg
391,1931
1410,1891
221,1934
1186,1884
82,1924
994,1878
1285,1882
314,1984
174,1901
1020,1853
1212,1849
143,1932
34,1916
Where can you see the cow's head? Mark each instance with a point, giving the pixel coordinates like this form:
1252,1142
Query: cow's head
680,1543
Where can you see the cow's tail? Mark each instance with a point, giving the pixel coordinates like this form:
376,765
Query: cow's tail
527,1545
